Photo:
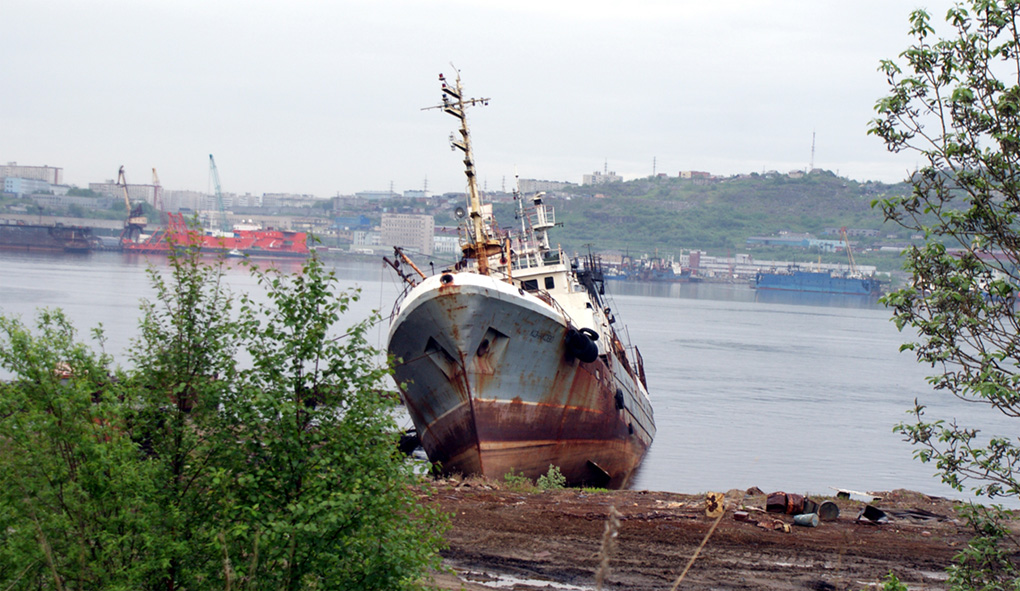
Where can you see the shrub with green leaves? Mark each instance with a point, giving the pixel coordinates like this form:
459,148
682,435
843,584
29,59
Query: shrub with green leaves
552,480
193,470
517,480
954,102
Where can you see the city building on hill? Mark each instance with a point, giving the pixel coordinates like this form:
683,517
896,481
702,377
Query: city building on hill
188,200
110,188
277,200
352,222
447,246
534,186
601,178
22,187
375,195
366,240
409,231
58,201
795,240
854,232
50,174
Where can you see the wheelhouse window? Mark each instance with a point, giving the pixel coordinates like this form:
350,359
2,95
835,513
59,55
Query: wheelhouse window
550,283
529,285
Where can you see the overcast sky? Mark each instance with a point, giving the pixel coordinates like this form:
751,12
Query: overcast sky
322,97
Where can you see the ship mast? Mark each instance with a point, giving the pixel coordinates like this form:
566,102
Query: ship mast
480,245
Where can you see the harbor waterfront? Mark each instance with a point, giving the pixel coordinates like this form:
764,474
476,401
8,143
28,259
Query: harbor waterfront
794,392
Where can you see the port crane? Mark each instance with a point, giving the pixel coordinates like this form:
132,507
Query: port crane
849,253
134,225
157,192
215,174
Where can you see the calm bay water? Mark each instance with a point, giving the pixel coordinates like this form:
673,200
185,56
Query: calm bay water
784,393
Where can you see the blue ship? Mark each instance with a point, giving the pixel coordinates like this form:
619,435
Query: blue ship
794,279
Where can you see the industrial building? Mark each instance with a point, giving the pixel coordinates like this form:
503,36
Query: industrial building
408,231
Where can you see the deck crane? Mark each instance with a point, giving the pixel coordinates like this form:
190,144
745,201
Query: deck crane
224,224
134,225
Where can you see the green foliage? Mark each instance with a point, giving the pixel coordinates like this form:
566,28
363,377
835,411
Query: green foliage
72,491
670,214
196,471
892,583
947,105
988,561
552,480
518,481
79,192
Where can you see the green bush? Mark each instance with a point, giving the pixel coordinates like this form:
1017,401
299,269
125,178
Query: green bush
192,470
517,481
552,480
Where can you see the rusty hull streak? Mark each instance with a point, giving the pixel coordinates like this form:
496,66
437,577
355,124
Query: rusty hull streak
461,383
515,435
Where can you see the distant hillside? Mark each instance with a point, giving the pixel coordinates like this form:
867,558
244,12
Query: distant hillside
671,214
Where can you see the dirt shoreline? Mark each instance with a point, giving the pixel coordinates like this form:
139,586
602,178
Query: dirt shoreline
527,540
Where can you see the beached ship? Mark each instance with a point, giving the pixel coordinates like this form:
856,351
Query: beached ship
508,361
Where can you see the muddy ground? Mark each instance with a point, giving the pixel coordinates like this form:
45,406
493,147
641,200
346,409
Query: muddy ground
525,540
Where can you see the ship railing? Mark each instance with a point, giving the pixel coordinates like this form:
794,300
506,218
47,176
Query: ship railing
635,363
547,298
534,259
541,216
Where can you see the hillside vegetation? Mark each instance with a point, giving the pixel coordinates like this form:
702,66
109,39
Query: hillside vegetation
667,215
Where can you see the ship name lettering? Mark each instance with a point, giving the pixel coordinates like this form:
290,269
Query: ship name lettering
543,336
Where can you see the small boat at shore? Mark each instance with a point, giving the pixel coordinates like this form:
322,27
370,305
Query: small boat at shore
509,360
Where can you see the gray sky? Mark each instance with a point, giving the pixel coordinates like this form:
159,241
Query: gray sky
323,97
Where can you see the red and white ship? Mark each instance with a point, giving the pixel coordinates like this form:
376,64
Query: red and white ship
242,240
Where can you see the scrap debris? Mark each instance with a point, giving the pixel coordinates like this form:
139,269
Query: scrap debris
805,512
714,504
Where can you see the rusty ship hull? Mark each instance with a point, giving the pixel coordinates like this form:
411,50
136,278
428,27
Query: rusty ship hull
490,379
51,238
508,361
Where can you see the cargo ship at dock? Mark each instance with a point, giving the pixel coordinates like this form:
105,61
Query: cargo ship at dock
845,281
46,237
243,240
655,270
509,360
794,279
248,241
